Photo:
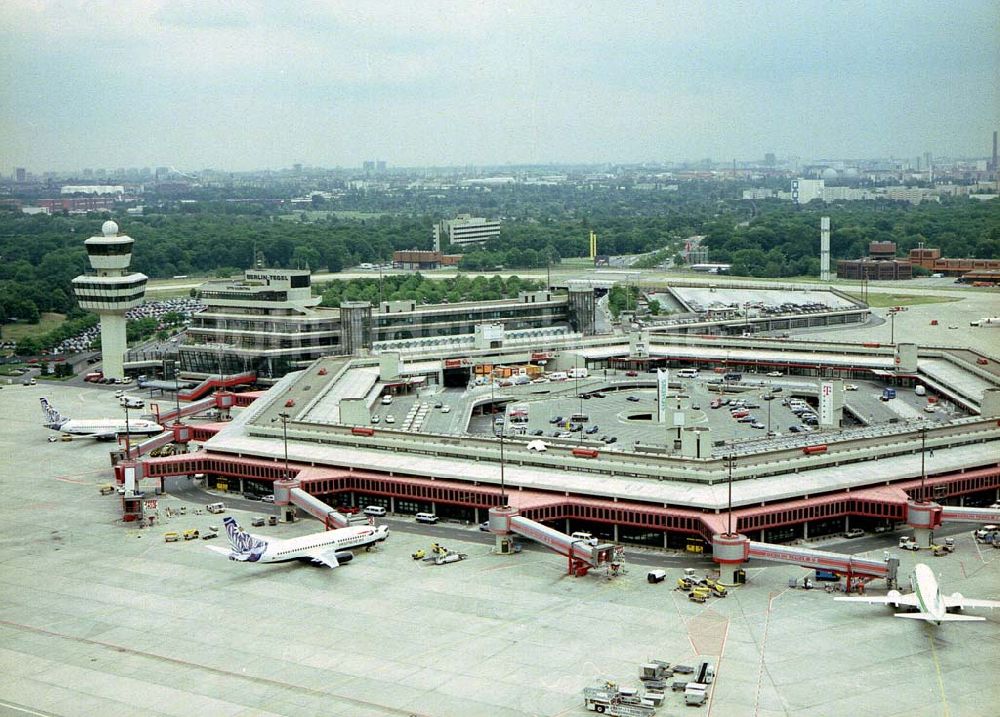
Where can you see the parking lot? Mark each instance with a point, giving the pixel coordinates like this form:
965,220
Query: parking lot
621,411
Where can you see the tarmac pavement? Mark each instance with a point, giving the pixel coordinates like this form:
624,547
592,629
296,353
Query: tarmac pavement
100,618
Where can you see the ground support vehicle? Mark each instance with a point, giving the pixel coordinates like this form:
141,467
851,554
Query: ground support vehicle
908,543
695,694
191,534
610,701
170,537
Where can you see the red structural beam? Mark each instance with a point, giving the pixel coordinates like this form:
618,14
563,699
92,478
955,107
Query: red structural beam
884,502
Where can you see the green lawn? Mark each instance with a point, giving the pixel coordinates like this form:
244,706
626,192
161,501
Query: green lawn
879,300
16,332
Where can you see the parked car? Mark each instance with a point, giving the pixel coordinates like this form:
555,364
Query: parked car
557,419
854,533
775,374
633,399
376,418
445,409
592,430
631,374
390,419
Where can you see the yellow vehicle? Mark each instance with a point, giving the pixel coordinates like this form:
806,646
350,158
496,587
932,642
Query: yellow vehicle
685,583
718,589
419,555
170,537
702,591
106,489
191,534
697,597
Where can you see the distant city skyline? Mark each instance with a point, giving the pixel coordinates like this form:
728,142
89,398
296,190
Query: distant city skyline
267,85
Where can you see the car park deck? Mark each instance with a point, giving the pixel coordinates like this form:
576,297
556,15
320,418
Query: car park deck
97,618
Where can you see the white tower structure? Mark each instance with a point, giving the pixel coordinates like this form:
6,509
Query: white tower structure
824,248
110,290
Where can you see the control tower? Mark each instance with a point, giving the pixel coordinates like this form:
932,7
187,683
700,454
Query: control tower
110,290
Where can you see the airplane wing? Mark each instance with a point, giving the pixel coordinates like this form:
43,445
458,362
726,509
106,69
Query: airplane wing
947,617
950,601
324,557
908,600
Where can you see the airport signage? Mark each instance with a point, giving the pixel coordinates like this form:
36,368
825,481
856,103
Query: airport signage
662,385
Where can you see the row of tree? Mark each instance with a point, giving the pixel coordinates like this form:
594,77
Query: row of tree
418,288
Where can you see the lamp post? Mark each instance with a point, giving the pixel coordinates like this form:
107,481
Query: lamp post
729,466
923,468
128,445
284,437
892,326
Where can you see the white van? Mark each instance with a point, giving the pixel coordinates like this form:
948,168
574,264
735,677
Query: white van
216,507
585,537
426,518
558,376
386,400
375,511
577,373
131,402
688,373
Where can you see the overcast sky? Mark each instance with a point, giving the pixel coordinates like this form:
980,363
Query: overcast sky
247,85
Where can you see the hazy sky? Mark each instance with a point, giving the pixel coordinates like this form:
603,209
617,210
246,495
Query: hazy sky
244,85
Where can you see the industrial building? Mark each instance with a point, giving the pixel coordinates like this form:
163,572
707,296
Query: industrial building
881,264
423,260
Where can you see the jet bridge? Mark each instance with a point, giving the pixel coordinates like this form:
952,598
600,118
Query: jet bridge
288,493
581,555
733,550
190,409
956,514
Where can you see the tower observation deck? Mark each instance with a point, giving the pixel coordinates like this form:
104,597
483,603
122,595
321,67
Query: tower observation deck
110,290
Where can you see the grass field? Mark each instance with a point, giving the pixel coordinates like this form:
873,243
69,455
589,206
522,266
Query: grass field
16,332
882,300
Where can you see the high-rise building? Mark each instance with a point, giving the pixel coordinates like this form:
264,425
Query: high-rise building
806,190
466,229
20,175
110,291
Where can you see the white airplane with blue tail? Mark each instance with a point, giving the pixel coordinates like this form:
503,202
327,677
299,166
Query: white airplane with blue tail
330,548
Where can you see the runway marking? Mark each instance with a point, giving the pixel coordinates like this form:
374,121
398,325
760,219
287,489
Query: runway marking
940,679
25,710
763,643
301,689
718,667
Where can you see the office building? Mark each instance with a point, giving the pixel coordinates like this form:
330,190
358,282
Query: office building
465,229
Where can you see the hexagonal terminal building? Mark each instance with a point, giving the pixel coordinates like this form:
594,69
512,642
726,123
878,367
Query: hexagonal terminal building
110,290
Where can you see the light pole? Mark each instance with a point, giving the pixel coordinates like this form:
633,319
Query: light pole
284,437
729,465
923,468
892,326
128,445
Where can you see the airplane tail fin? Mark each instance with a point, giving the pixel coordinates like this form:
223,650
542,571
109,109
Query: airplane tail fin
52,417
245,546
949,617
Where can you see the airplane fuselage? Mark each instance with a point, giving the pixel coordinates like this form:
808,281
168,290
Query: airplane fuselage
108,427
340,539
928,593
